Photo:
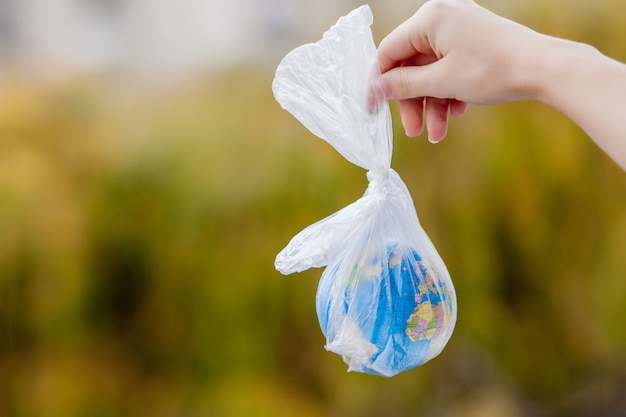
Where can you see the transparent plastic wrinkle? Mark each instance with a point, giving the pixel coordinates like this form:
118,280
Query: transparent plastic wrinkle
385,301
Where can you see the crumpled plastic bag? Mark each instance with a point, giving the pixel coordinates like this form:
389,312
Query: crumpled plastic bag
385,301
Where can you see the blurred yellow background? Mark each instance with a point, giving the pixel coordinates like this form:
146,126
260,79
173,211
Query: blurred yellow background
145,191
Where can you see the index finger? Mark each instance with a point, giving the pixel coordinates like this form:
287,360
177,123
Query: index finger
403,43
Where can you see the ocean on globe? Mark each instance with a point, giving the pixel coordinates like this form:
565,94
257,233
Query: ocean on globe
385,312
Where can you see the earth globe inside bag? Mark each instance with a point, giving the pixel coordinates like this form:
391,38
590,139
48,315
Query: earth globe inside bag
384,313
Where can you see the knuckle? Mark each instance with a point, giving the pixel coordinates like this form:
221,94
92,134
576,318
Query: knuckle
405,83
435,9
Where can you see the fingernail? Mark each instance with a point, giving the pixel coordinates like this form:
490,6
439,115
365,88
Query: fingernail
433,140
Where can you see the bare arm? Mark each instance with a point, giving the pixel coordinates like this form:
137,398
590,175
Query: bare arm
453,52
590,89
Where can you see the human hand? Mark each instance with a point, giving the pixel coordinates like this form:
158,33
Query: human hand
448,54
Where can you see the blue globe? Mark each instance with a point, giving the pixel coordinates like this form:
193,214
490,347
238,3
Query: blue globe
385,312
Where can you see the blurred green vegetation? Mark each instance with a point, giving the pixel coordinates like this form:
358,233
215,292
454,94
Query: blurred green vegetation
138,234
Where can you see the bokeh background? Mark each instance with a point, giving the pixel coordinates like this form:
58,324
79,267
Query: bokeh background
148,179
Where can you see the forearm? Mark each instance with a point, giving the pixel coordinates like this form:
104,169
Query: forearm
587,87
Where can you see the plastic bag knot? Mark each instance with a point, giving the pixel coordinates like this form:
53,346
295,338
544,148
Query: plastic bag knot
378,182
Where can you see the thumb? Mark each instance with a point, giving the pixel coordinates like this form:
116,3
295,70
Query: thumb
408,82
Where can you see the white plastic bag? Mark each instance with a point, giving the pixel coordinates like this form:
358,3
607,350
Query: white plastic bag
385,301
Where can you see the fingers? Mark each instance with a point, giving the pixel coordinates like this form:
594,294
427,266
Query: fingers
458,108
383,87
412,115
437,118
411,70
403,43
397,47
435,111
407,82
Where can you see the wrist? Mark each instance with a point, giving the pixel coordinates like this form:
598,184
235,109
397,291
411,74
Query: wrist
524,70
556,65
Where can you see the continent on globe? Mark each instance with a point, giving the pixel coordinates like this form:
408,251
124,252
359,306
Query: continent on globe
425,321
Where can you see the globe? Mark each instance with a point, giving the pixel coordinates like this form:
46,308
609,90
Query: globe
385,311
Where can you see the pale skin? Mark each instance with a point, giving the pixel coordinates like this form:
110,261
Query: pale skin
454,52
